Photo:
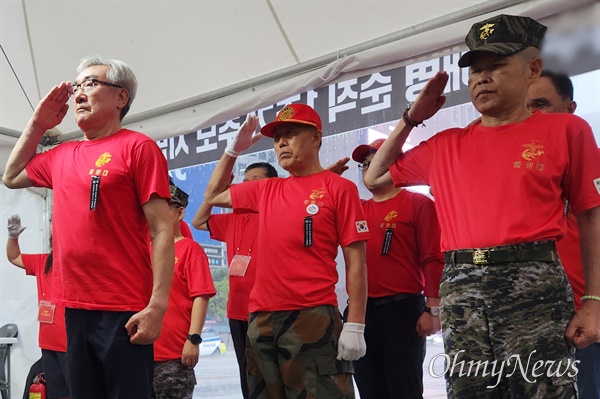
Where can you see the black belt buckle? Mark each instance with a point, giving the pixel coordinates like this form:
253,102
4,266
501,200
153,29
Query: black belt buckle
481,257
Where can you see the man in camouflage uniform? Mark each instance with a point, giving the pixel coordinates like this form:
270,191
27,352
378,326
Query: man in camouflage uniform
499,186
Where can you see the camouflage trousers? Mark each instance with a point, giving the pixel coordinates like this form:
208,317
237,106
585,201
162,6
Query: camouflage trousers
173,380
292,354
504,330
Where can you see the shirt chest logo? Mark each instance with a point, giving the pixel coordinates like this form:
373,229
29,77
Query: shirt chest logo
532,150
315,198
393,214
101,161
531,155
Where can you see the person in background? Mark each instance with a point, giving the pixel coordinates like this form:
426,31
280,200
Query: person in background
176,351
404,261
110,189
239,232
553,92
499,187
51,315
298,345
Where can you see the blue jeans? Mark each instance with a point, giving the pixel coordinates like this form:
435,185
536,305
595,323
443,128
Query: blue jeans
588,377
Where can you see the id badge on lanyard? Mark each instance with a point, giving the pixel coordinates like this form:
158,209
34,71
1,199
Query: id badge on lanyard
387,241
239,265
46,312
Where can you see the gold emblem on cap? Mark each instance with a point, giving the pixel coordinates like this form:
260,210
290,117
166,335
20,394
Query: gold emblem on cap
286,113
486,31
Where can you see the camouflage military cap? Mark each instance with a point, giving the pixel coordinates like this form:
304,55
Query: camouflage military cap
178,196
504,35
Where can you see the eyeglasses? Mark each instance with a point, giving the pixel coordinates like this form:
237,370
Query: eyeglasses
89,84
364,165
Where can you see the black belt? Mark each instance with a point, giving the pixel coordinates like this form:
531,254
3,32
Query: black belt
542,251
388,299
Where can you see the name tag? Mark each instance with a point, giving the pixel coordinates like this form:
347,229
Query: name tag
46,312
239,265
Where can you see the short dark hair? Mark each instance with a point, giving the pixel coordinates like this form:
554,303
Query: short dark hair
562,83
271,172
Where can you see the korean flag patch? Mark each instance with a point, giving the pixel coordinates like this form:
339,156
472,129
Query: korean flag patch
597,184
361,226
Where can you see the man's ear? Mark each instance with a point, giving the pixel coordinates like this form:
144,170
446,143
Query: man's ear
122,98
318,137
572,107
535,70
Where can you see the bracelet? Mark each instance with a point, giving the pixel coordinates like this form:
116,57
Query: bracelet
592,297
409,121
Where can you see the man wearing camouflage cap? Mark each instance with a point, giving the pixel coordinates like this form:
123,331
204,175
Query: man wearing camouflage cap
499,187
177,349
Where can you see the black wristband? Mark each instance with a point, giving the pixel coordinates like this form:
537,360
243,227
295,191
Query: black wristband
409,121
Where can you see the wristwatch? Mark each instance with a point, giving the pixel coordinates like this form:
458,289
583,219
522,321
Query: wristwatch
195,339
434,310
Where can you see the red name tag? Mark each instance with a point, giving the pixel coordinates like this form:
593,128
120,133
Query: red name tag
239,265
46,312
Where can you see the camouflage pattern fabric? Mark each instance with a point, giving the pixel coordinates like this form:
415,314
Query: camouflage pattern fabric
173,380
292,354
491,314
504,35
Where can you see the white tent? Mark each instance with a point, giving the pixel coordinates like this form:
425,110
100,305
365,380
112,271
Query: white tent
200,62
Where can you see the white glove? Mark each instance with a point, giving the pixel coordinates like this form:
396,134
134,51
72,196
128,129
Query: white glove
243,138
14,227
352,345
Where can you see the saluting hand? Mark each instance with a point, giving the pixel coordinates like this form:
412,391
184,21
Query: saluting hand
430,99
14,227
243,138
52,109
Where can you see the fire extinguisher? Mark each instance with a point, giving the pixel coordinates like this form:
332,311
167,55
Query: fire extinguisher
37,390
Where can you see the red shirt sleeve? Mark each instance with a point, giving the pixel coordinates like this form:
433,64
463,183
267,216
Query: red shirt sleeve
219,226
197,273
351,221
185,230
246,196
39,167
150,171
582,182
412,167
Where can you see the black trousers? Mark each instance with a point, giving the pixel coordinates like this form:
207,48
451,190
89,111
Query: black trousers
393,365
239,332
102,363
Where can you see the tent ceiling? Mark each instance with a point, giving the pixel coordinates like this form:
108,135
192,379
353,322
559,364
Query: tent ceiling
183,50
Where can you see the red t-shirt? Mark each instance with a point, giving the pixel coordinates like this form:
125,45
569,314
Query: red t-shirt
414,261
569,253
291,275
185,229
191,279
101,255
53,336
505,185
239,232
